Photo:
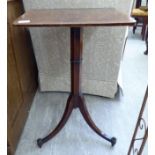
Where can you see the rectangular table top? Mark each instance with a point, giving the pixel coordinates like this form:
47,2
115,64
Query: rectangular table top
74,18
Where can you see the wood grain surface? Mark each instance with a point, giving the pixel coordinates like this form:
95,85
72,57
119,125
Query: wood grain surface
21,75
74,18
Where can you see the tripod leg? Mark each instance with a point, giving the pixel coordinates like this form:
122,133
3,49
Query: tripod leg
67,112
92,125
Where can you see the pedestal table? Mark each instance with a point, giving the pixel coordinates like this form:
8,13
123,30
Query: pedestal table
75,19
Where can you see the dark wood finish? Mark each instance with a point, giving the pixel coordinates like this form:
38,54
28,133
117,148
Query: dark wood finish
138,3
76,98
141,19
146,41
22,75
74,18
144,25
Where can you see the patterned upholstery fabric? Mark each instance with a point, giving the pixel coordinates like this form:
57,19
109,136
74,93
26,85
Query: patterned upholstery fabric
102,48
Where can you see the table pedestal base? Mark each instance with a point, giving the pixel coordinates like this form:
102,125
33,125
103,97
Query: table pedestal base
76,98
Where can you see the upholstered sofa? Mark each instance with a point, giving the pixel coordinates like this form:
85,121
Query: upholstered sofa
103,47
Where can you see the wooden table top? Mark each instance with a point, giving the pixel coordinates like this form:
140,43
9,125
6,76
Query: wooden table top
74,18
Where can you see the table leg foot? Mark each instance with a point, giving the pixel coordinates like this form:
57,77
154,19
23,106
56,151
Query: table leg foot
113,141
67,112
39,143
91,124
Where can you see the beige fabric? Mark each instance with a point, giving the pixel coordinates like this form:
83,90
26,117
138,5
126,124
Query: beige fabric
102,49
